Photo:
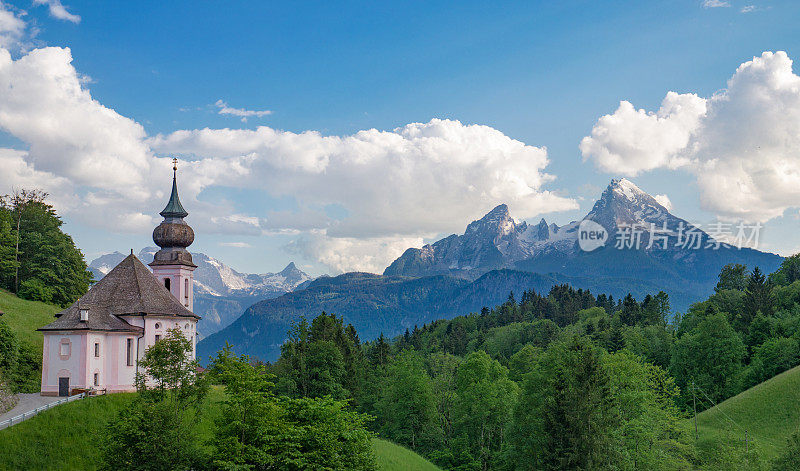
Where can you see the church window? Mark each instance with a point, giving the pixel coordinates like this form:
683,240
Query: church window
158,337
129,353
166,283
97,350
158,325
65,349
97,379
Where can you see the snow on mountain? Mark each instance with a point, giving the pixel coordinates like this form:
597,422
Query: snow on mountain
497,241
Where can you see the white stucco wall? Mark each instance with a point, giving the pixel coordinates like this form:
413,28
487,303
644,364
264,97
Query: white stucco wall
80,366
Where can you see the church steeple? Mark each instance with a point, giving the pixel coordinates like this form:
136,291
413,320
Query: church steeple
172,265
174,208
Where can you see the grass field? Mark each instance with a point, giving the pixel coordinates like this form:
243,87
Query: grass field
769,412
393,457
24,317
67,437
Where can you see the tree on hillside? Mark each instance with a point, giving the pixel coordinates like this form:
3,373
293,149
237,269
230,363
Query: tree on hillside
484,403
566,416
43,263
631,312
710,356
259,430
758,297
789,271
733,276
407,408
158,430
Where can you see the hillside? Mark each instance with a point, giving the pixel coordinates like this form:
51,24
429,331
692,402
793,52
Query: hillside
377,304
770,412
392,457
50,441
24,317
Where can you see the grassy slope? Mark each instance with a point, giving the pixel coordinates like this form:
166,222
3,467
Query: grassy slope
393,457
66,437
770,412
24,317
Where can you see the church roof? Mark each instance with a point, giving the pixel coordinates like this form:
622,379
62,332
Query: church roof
129,289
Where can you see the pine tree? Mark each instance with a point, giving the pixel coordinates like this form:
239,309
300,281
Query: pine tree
758,297
579,417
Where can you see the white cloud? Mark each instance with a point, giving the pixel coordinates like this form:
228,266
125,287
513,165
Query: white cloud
238,245
664,201
240,112
741,143
342,254
57,10
631,141
748,8
417,179
390,188
13,29
715,4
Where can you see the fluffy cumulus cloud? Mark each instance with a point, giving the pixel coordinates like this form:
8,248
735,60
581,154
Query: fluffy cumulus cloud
342,254
740,144
631,141
359,200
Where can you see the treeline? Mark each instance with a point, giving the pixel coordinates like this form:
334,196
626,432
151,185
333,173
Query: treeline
566,380
38,261
174,423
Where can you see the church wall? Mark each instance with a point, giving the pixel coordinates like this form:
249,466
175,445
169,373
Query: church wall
81,364
68,360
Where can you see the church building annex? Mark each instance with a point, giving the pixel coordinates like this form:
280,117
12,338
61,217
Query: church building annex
98,341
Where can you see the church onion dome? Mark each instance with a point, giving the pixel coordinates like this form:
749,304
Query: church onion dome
173,235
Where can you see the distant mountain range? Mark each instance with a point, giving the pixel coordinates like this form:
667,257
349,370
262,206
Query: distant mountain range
221,293
496,255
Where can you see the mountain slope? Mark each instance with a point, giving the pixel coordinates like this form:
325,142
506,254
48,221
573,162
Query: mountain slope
647,233
377,304
220,293
768,411
495,255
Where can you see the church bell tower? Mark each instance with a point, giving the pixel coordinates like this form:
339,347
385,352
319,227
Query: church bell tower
172,265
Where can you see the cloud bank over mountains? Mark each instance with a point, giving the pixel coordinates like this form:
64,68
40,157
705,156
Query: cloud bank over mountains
370,194
359,200
741,144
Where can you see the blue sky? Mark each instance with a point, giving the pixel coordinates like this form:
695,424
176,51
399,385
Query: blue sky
542,73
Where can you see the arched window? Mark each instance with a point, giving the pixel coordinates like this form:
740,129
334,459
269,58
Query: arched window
166,283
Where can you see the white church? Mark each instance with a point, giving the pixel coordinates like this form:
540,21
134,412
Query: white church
98,341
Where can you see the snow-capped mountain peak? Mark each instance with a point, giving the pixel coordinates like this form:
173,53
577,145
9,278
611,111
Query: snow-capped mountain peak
496,240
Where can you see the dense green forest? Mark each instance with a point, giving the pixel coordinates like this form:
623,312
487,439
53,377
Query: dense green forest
38,261
566,380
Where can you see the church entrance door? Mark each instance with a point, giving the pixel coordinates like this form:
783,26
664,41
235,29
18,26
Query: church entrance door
63,386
